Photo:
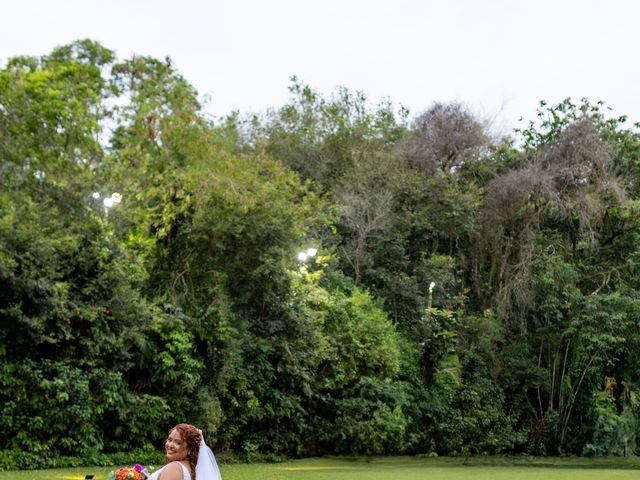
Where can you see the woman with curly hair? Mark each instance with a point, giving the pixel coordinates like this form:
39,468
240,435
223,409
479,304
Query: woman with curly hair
188,456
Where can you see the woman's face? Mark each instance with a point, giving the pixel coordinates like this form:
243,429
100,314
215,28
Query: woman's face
175,447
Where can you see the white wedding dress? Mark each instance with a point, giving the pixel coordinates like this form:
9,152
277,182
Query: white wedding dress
206,468
185,473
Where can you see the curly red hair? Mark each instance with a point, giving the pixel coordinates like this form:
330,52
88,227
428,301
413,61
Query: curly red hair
192,437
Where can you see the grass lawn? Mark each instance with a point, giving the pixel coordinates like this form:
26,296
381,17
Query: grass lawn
397,468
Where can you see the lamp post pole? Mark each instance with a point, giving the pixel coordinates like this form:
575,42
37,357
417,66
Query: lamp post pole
431,285
108,202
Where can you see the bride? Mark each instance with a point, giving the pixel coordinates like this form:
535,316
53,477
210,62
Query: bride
188,456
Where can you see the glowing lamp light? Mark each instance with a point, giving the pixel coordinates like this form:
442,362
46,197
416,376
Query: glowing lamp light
114,199
306,255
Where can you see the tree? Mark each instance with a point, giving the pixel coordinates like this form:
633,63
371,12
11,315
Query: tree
444,138
71,303
322,138
566,185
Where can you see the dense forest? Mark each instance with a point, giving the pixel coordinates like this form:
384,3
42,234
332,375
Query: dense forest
472,293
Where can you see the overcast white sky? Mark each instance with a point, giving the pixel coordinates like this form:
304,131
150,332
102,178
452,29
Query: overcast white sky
499,56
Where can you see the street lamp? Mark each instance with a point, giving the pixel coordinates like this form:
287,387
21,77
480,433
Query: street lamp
114,199
108,202
431,285
306,255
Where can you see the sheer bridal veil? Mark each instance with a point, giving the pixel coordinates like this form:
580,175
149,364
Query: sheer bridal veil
207,467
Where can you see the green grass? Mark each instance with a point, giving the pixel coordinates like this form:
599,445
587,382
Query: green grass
397,468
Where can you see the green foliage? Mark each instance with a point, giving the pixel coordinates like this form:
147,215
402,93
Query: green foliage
360,341
369,419
322,138
22,460
354,403
184,302
50,408
614,432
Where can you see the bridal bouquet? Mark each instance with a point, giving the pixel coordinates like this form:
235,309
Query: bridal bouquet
137,472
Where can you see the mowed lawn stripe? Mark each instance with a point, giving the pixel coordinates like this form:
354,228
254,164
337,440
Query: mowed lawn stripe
395,468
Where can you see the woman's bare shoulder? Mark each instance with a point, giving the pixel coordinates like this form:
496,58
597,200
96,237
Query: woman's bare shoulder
172,471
